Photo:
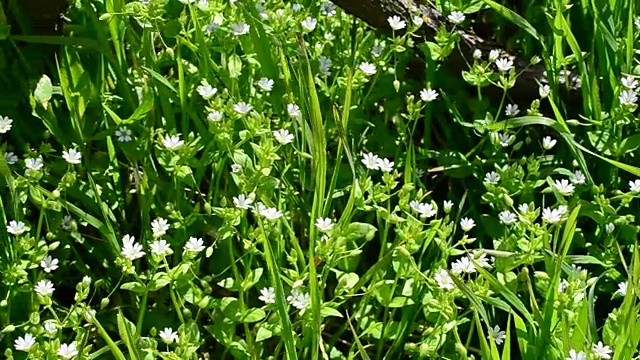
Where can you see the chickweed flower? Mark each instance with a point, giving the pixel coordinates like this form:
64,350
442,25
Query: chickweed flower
215,116
283,136
159,227
622,288
16,228
548,143
242,108
609,228
172,142
10,158
497,335
236,168
428,95
25,343
67,351
50,327
492,178
49,264
294,110
206,91
544,91
270,213
573,355
504,64
367,68
324,65
130,249
265,84
634,185
299,300
34,164
564,187
371,161
5,124
396,23
194,245
160,248
123,134
494,55
578,178
242,202
240,29
628,98
417,20
507,217
463,265
511,110
467,224
552,216
447,205
327,8
505,139
630,83
168,335
309,24
456,17
324,224
423,210
267,295
601,350
385,165
44,288
443,280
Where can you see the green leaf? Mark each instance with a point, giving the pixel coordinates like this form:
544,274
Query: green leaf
329,311
253,315
516,19
134,287
235,66
357,231
158,281
127,331
43,91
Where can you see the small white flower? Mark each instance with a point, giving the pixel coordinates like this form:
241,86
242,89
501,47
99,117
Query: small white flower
396,22
34,164
186,2
50,327
443,280
160,248
507,217
423,210
456,17
168,335
25,343
236,168
523,208
573,355
497,335
511,110
10,158
215,116
68,351
385,165
172,142
67,223
212,27
609,228
206,91
294,110
548,143
629,82
601,350
622,288
5,124
309,24
483,261
242,202
130,249
240,29
296,7
123,134
504,64
564,187
299,300
428,95
492,178
562,286
505,139
16,228
447,205
72,156
242,108
44,288
628,98
467,224
544,91
194,245
463,265
270,213
49,264
367,68
578,178
477,54
267,295
377,50
265,84
634,185
417,20
283,136
494,55
327,8
159,227
372,162
324,224
203,5
324,65
552,216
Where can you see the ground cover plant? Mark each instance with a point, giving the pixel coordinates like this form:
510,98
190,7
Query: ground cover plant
262,179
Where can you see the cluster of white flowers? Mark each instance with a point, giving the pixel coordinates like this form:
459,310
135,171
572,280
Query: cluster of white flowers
374,162
424,210
628,96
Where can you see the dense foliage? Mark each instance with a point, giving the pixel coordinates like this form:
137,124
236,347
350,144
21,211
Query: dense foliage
245,179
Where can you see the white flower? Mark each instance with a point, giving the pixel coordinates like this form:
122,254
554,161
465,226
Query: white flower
67,351
212,27
49,264
5,124
44,288
483,261
573,355
215,116
324,65
67,223
497,335
494,55
270,213
296,7
236,168
552,216
194,245
168,335
327,8
206,91
447,205
159,227
424,210
50,327
511,110
242,108
309,24
629,82
283,136
396,22
385,165
601,350
628,98
548,143
463,265
562,286
505,139
16,228
160,248
10,158
634,185
187,1
477,54
123,134
609,228
564,187
242,202
456,17
172,142
299,300
267,295
443,280
367,68
523,208
203,5
507,217
417,20
34,164
622,288
25,343
294,110
504,64
130,249
428,95
265,84
377,50
372,162
467,224
492,178
544,91
324,224
240,29
578,178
